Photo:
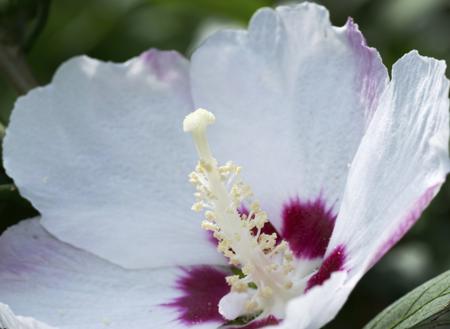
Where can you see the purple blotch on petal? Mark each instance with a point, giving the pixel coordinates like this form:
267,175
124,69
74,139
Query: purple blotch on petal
307,227
372,75
201,289
333,263
407,222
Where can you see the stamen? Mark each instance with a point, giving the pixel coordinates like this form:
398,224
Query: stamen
266,265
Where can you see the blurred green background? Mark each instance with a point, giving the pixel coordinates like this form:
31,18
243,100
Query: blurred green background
116,30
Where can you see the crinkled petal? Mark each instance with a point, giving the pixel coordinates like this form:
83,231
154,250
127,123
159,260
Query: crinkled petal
401,163
292,96
69,288
100,152
9,320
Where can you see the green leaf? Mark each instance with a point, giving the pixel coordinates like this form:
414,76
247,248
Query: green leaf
438,320
427,306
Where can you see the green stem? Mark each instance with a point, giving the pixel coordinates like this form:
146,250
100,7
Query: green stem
43,8
2,131
15,67
7,188
7,191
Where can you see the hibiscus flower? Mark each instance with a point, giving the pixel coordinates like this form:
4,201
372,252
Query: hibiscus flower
341,159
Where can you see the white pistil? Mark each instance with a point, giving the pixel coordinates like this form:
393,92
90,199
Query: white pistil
220,191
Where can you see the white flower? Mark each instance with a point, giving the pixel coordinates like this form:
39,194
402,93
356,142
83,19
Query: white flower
342,160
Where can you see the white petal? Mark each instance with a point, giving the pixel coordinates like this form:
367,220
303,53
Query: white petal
292,97
318,306
72,289
232,305
9,320
401,163
100,152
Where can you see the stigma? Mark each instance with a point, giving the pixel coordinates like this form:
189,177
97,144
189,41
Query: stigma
264,265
